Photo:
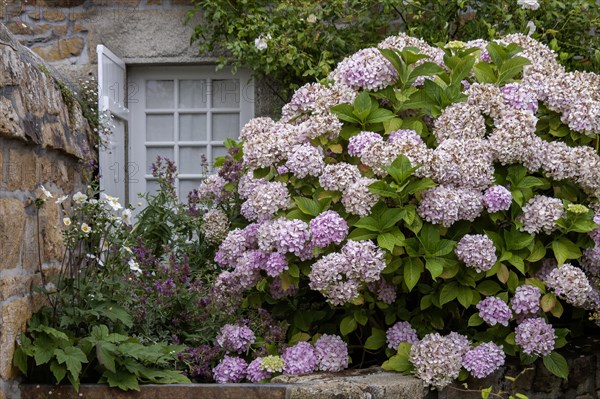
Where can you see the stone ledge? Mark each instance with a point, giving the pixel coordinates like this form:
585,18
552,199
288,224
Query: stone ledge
351,384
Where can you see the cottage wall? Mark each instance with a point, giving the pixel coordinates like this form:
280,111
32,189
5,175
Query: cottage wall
43,140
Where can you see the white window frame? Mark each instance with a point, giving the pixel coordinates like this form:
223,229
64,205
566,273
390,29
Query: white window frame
137,145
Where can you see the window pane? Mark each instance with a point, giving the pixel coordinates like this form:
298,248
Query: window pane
225,126
159,127
192,127
226,93
153,152
190,160
152,187
192,93
187,185
160,94
217,152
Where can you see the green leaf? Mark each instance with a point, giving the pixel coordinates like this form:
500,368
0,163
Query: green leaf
390,217
399,362
564,249
488,287
376,340
115,313
435,266
58,370
122,380
400,169
516,240
362,106
382,188
20,360
345,113
485,393
307,205
380,115
475,320
511,68
413,267
390,240
105,353
465,296
557,365
462,70
448,293
361,234
347,325
537,253
72,357
44,348
426,69
484,73
368,223
361,316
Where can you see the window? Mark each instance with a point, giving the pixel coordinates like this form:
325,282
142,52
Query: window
181,113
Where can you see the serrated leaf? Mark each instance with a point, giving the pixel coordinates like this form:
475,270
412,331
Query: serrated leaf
58,370
465,296
564,249
511,68
376,340
426,69
345,113
413,267
361,234
122,380
448,293
105,354
383,189
484,73
557,365
20,360
538,252
44,348
380,115
307,205
362,106
347,325
72,357
435,266
387,241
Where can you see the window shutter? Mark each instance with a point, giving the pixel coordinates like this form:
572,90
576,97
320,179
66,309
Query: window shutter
112,85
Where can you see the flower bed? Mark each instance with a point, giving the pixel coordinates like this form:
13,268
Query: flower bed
434,210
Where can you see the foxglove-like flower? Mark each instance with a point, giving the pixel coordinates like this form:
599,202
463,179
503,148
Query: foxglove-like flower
332,353
402,331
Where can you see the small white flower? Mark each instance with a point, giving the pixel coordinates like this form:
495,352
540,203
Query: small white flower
134,266
531,27
79,197
61,199
47,194
113,202
128,250
261,42
311,19
528,4
50,287
126,215
86,228
67,221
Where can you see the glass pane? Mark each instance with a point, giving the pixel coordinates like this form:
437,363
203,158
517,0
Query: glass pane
187,185
159,127
190,160
192,127
217,152
225,126
226,93
192,94
160,94
153,152
152,187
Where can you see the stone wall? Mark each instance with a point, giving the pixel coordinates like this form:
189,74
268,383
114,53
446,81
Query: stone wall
45,141
142,32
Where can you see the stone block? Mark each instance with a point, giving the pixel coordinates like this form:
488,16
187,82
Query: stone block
40,29
80,27
51,233
30,260
12,219
19,28
14,316
154,2
19,285
9,120
54,15
60,30
73,15
121,3
1,163
182,2
36,15
21,169
63,48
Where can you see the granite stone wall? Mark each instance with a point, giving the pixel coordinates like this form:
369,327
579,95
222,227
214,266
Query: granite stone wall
43,140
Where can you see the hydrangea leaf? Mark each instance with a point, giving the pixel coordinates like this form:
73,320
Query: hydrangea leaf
376,340
413,267
564,249
557,365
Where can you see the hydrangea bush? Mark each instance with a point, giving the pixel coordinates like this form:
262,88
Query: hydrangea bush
434,206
